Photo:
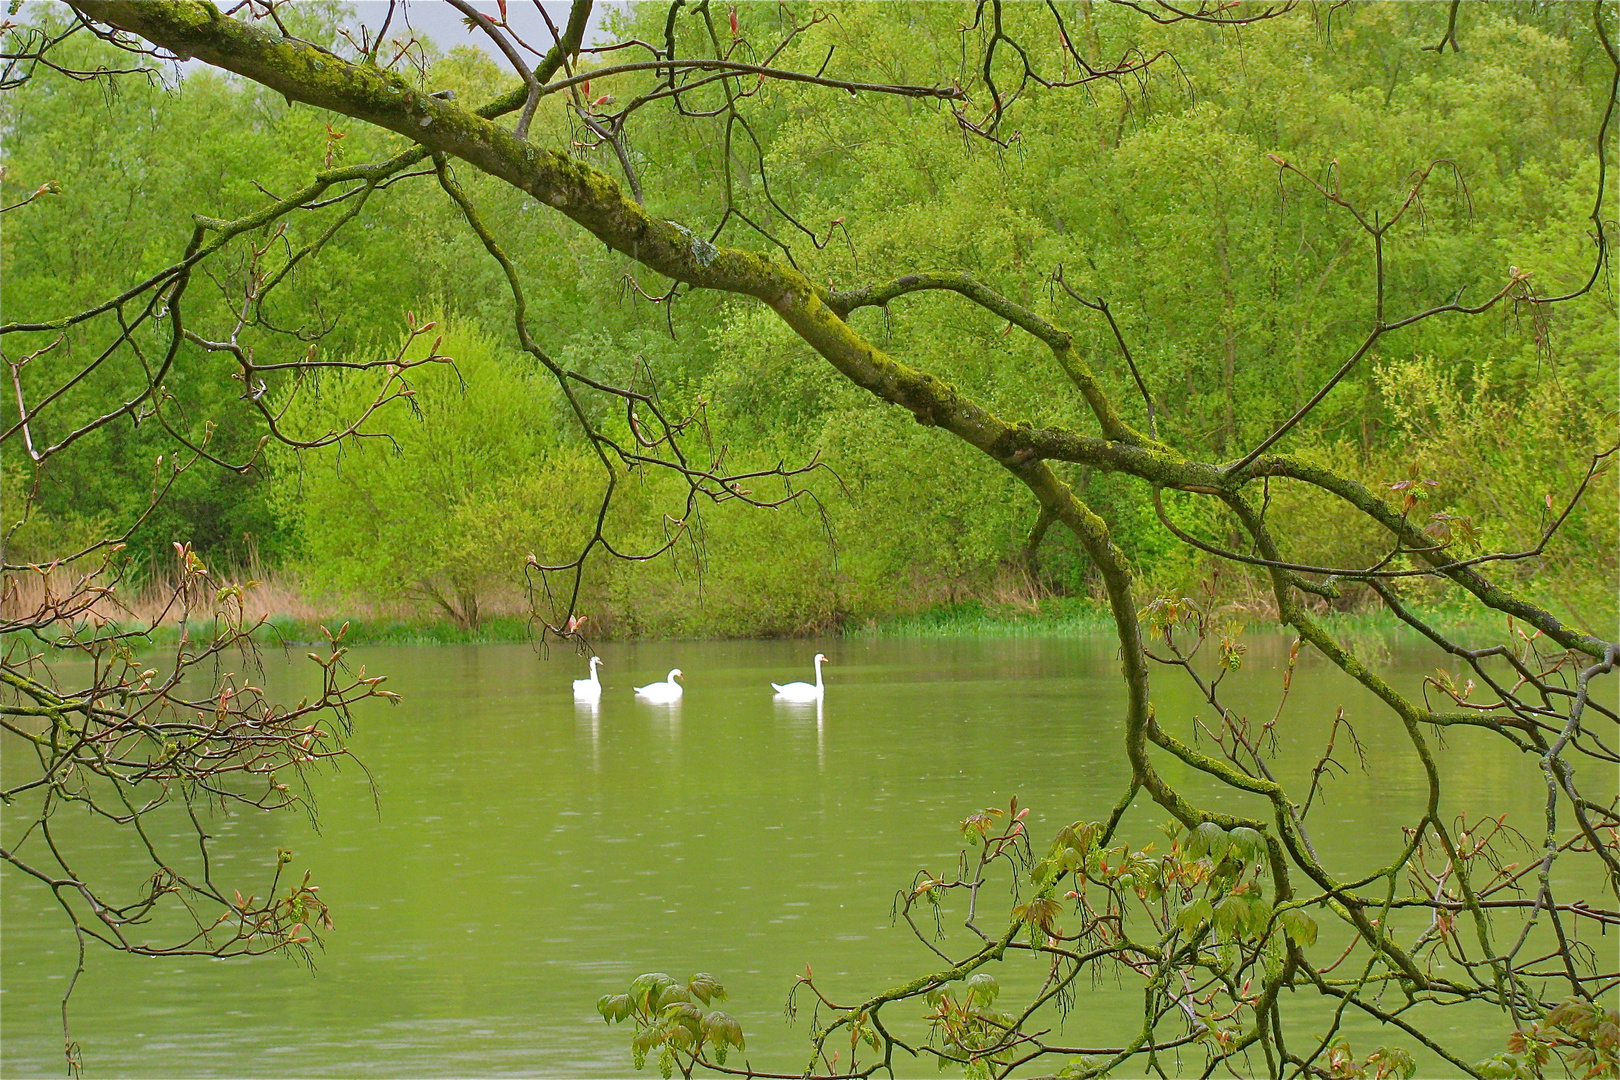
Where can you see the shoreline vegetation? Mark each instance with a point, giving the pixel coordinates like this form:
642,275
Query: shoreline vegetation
1052,617
281,610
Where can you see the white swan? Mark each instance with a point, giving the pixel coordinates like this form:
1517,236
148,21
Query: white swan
589,689
667,692
802,691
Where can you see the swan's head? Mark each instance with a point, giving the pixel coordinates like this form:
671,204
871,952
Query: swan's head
821,658
595,660
676,674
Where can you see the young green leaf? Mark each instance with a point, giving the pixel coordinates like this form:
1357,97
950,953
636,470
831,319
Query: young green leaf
706,987
1300,927
983,987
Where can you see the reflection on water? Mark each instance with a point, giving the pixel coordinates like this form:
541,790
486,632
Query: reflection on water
589,716
807,712
665,717
528,854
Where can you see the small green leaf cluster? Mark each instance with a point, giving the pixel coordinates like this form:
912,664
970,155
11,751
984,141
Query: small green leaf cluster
1076,849
1504,1066
1230,852
863,1030
967,1025
1384,1063
1232,650
1234,904
1167,614
1164,615
1073,850
1040,914
976,827
674,1020
1582,1034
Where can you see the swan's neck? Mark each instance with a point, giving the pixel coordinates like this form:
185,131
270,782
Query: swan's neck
594,680
818,673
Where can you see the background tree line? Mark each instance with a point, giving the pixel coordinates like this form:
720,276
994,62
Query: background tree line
1236,293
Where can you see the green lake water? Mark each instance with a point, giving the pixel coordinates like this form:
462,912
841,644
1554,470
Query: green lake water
512,856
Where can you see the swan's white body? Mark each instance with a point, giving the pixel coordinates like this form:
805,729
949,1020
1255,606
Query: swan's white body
802,691
589,689
667,692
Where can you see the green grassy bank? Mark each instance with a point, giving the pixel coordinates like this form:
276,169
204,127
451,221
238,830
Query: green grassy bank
1053,617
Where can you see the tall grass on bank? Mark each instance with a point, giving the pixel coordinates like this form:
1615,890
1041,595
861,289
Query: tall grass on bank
286,610
1068,617
1054,617
291,615
149,602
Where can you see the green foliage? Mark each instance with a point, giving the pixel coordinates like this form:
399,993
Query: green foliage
674,1019
43,535
963,1023
441,495
1384,1063
976,827
132,167
1239,291
1581,1035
